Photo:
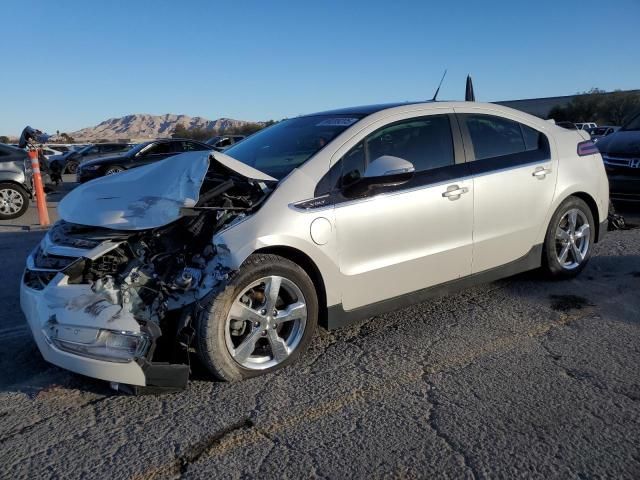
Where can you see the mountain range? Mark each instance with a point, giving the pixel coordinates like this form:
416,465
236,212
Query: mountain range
142,126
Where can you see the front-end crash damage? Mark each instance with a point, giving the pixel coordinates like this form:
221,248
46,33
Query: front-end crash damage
125,286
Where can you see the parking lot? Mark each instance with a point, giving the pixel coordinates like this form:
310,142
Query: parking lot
522,377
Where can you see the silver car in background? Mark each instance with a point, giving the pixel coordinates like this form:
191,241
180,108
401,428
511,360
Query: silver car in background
323,219
15,182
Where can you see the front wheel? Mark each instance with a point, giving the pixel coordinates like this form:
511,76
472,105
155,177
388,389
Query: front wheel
569,239
14,201
262,321
113,170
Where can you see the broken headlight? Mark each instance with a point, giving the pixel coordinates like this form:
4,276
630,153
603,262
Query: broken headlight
100,344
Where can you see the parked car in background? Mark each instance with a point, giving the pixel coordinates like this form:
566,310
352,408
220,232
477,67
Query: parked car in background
585,125
222,142
142,154
621,155
15,182
51,154
92,152
599,132
567,125
326,218
60,147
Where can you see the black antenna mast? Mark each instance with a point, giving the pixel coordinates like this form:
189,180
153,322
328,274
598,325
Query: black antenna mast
435,95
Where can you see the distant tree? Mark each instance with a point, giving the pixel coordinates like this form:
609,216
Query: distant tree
180,131
202,134
4,139
66,138
614,108
619,107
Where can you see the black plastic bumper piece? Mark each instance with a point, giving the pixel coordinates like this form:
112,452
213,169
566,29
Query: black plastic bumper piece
160,378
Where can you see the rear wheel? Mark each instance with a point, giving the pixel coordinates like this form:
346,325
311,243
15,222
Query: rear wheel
569,239
262,321
14,201
71,167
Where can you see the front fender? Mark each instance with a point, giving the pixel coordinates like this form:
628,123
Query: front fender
14,176
240,241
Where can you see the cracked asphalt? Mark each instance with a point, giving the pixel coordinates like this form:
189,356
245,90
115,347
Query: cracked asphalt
518,378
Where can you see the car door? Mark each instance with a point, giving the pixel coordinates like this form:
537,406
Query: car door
398,239
104,151
154,153
514,177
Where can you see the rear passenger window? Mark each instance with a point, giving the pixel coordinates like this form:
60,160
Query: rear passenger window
532,138
493,136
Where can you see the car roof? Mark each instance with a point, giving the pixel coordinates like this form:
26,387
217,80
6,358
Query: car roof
10,148
377,111
166,140
365,109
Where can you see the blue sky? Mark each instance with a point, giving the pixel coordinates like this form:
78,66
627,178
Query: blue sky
68,65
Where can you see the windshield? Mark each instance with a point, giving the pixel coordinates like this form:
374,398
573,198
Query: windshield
279,149
634,124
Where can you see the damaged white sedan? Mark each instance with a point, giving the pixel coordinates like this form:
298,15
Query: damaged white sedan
321,219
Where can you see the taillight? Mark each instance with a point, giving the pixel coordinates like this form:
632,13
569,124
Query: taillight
587,148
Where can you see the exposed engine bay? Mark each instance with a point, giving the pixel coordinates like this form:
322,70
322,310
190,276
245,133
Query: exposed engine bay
159,276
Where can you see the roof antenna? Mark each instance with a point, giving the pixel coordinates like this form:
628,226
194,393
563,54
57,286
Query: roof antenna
435,95
469,96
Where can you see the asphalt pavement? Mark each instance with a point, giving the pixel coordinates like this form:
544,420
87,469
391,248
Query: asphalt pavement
519,378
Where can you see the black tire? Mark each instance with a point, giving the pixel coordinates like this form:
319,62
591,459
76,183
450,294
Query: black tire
113,169
210,326
71,167
12,189
552,247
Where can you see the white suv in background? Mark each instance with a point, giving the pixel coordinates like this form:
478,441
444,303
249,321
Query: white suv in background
321,219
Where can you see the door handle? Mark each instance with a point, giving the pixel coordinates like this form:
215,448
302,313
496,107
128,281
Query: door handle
454,191
540,172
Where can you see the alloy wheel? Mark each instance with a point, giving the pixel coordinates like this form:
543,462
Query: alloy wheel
573,235
266,323
11,201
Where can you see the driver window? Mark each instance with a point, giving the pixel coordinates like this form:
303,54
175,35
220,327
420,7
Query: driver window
160,149
426,142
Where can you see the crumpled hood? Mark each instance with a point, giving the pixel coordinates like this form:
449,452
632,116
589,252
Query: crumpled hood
146,197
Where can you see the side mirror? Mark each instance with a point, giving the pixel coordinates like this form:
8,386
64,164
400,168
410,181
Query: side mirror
389,166
384,171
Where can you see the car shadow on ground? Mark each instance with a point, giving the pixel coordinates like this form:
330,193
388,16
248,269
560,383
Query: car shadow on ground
606,277
25,371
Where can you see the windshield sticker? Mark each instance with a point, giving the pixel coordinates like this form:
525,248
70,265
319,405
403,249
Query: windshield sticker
337,122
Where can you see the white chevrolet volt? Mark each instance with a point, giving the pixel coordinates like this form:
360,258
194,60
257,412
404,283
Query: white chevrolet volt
322,219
